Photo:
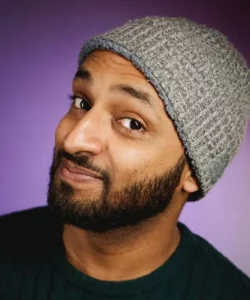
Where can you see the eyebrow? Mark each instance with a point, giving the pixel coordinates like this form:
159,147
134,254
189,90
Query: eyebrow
83,74
137,93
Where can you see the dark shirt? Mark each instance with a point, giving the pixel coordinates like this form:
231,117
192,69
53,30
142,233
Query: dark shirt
33,266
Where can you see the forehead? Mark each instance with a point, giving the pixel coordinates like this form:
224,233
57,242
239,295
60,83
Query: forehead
108,61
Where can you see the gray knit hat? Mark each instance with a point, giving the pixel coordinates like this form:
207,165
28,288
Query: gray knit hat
202,80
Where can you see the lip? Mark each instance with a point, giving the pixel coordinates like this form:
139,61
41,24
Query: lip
72,172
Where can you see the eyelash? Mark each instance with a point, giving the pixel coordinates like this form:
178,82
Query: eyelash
74,97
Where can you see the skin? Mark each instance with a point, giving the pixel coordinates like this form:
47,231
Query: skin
104,133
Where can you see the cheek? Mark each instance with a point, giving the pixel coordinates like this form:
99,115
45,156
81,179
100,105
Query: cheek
132,163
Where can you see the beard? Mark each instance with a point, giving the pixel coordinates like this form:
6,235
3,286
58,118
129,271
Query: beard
113,209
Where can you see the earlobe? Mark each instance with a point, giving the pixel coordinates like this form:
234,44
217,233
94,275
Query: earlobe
190,185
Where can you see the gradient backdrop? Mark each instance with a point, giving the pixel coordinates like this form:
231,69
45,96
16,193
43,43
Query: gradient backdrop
39,44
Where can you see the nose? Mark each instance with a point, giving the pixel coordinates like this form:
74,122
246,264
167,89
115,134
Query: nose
88,135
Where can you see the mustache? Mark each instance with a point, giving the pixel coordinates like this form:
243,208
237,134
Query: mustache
81,161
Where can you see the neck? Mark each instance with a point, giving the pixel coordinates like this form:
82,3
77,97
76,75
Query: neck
122,254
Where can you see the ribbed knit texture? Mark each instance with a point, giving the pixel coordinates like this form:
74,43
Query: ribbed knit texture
202,79
33,266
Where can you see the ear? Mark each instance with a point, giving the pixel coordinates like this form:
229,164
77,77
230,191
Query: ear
190,184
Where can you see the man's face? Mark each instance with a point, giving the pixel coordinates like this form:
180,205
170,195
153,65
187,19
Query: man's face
117,157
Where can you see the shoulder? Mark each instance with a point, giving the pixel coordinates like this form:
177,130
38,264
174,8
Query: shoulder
20,215
221,273
32,225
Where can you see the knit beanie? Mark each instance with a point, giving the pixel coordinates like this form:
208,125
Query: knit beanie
203,81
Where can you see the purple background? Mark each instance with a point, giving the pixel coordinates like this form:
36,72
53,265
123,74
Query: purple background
40,41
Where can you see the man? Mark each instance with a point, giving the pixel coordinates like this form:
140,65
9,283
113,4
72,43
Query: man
159,107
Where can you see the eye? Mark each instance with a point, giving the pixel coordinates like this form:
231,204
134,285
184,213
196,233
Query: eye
80,103
132,124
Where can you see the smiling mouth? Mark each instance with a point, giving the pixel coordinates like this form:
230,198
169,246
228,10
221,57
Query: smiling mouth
73,173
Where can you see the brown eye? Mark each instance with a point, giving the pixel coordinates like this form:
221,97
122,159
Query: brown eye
132,124
81,103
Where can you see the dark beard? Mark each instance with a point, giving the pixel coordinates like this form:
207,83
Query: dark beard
142,200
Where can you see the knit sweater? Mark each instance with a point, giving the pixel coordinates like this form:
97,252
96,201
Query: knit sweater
33,266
